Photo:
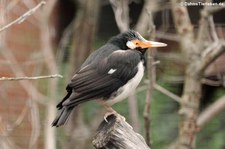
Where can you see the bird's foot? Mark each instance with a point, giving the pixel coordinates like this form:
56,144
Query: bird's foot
108,114
110,111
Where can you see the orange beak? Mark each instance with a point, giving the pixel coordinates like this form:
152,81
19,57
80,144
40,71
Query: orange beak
148,44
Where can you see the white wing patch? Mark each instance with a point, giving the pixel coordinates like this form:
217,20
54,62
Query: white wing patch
111,71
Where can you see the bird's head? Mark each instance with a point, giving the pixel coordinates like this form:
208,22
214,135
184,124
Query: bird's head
133,40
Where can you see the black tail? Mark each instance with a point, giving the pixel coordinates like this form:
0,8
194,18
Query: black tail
62,117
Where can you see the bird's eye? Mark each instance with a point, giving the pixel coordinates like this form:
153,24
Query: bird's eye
136,43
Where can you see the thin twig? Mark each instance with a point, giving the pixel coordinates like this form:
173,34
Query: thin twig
214,9
24,16
151,82
213,29
211,82
212,54
18,121
30,78
35,123
168,93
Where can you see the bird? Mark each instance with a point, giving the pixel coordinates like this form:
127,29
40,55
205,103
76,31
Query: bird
109,74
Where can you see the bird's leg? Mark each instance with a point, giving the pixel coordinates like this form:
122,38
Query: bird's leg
111,111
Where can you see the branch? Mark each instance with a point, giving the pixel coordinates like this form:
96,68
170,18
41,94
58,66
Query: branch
35,124
18,121
168,93
184,28
117,133
167,36
24,16
121,11
30,78
152,78
211,82
213,29
210,112
210,10
214,51
31,90
143,21
205,21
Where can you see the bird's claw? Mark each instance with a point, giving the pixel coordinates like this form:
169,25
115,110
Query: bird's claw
108,114
118,116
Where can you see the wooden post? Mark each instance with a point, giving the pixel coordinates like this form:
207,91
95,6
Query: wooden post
117,134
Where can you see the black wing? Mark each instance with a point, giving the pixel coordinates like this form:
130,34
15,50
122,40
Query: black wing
94,81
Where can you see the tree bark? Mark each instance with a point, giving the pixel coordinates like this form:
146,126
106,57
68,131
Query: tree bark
117,134
197,58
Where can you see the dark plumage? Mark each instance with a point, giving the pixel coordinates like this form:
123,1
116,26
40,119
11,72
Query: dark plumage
108,74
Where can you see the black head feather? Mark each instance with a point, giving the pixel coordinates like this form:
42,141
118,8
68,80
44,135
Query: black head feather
121,39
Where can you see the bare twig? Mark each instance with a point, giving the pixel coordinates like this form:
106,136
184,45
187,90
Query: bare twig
214,9
211,82
27,85
210,112
211,47
24,16
18,121
168,93
213,29
30,78
213,53
205,22
151,82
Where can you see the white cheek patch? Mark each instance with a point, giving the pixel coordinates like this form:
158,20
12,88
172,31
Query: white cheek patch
131,45
111,71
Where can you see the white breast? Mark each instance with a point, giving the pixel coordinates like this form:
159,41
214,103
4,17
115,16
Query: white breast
129,87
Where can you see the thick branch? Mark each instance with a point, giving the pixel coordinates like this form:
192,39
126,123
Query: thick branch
121,11
143,22
117,133
184,28
192,87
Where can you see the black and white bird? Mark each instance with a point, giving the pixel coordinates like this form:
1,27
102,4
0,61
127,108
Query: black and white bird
108,75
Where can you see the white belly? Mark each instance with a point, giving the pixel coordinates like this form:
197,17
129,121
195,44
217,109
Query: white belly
129,87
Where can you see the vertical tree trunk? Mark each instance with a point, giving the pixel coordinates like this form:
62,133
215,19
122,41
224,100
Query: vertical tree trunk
192,85
189,109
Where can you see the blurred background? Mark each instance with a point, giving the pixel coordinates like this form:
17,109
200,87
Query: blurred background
59,36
